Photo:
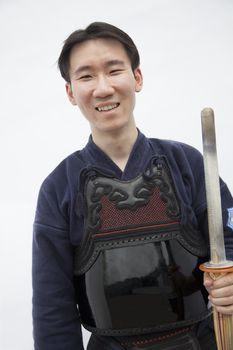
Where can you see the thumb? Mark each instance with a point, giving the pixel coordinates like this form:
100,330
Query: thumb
208,281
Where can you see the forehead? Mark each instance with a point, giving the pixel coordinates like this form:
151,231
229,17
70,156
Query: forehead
97,51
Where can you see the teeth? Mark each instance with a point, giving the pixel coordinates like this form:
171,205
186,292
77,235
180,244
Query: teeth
107,108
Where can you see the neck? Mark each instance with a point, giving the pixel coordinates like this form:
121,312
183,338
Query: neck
117,145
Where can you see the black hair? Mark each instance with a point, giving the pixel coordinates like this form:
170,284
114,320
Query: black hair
94,31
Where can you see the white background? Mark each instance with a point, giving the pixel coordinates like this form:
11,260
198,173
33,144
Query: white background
186,57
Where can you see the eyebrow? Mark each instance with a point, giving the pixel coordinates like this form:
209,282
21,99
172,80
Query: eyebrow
114,63
107,64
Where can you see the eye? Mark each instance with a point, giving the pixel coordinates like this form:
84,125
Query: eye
85,77
116,71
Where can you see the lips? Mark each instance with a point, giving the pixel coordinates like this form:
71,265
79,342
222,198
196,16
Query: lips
107,107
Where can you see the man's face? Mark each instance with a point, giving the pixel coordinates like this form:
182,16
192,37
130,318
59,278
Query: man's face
103,84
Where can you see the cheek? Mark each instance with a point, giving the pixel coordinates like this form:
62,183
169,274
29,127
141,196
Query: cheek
131,86
130,92
125,83
81,99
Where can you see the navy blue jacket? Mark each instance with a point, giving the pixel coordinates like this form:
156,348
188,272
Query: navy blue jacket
58,228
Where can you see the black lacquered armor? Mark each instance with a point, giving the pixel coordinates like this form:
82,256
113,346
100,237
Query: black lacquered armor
137,266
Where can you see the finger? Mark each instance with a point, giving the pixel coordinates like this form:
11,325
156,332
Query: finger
208,281
221,292
226,301
226,280
226,310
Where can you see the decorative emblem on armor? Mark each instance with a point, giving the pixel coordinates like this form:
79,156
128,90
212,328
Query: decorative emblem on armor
230,218
129,199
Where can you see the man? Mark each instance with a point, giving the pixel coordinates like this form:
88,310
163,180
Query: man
121,226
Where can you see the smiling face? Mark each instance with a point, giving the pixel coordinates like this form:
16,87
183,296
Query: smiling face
103,84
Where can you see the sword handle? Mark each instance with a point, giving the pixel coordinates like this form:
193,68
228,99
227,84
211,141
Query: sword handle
223,324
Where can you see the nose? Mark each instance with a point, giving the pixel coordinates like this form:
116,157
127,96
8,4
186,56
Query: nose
103,87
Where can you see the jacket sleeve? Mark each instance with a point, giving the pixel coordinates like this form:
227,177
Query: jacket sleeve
56,324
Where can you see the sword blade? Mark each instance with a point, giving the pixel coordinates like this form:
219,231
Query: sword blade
217,247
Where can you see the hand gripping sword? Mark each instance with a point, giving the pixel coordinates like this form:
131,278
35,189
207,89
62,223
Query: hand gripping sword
218,266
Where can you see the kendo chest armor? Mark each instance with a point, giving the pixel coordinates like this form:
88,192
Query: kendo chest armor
136,269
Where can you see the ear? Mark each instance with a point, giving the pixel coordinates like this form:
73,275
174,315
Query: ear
70,93
139,79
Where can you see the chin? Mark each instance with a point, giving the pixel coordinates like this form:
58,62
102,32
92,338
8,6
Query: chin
116,127
124,123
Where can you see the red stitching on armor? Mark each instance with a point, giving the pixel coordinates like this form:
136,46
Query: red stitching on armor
152,212
135,229
160,338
